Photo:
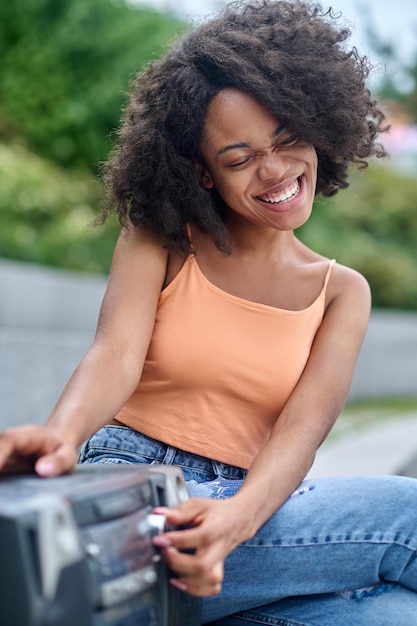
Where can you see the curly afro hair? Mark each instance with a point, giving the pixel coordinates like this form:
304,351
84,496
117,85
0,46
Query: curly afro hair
291,57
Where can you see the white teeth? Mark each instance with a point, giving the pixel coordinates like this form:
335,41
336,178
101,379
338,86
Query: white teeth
288,193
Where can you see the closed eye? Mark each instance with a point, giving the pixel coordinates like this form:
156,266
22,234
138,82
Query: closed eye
242,161
291,140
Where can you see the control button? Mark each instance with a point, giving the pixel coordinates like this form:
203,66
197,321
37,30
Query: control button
149,576
146,493
92,549
119,589
157,522
118,504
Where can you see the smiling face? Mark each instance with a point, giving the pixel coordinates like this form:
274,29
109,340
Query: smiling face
264,173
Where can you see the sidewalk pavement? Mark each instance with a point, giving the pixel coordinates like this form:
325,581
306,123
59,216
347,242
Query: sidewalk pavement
385,447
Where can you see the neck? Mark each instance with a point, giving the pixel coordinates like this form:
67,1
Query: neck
260,240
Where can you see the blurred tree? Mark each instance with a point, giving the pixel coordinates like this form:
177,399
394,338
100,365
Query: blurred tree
372,227
390,90
47,214
65,67
399,85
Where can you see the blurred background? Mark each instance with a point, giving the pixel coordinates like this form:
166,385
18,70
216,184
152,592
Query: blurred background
65,70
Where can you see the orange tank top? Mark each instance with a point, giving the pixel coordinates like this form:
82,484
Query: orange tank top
219,368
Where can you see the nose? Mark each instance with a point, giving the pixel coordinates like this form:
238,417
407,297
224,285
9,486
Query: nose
273,165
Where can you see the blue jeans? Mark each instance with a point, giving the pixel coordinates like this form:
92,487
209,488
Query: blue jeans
339,552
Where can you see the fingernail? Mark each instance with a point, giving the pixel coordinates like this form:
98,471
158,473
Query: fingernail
161,542
44,468
179,584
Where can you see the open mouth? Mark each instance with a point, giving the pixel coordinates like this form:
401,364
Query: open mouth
285,195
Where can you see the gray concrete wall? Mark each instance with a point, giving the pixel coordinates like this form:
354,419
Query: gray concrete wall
387,364
48,318
47,322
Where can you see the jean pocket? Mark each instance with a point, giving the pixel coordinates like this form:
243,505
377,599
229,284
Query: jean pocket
96,455
108,460
119,444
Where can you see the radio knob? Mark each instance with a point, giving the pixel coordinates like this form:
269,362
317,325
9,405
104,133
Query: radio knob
149,577
157,523
92,549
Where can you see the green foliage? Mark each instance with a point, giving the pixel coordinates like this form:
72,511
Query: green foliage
47,214
65,67
400,85
372,227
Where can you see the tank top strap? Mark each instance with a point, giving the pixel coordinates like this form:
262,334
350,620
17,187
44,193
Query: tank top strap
328,273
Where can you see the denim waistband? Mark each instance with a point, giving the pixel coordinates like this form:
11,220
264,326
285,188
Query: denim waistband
114,443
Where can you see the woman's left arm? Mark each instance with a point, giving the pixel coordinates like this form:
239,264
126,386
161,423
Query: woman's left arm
218,526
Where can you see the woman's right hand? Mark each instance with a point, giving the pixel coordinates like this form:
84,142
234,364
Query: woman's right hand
35,448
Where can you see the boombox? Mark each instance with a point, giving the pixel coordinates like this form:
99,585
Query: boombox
77,550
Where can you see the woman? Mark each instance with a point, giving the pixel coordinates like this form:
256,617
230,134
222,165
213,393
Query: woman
225,345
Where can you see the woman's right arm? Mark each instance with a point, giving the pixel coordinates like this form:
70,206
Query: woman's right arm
110,371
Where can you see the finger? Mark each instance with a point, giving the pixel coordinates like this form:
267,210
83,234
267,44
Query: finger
194,589
209,584
198,566
32,447
17,466
62,461
18,446
180,562
186,513
25,440
184,539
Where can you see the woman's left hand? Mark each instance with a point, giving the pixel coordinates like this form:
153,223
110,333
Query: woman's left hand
196,554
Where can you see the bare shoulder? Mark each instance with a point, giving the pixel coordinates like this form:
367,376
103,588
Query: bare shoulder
348,292
139,256
134,240
345,280
136,278
345,321
344,285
